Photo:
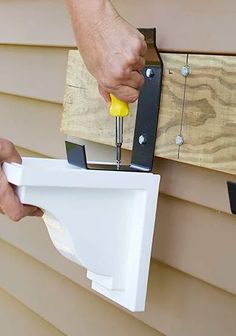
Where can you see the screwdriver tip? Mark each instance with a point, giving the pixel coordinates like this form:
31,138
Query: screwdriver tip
118,156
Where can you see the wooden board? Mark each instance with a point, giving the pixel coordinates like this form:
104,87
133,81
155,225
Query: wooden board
201,108
86,114
209,117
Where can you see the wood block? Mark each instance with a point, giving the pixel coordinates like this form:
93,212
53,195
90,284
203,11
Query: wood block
86,114
209,117
200,107
169,123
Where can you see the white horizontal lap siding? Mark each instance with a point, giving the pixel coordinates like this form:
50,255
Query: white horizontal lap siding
34,72
35,23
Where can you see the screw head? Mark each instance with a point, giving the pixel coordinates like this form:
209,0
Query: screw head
185,71
150,73
142,139
179,140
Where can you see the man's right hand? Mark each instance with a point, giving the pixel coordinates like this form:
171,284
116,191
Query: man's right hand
10,204
112,49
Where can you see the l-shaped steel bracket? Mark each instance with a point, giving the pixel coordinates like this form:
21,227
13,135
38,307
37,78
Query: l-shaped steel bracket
145,132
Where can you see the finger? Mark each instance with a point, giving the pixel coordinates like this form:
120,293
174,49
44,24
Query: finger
143,47
126,93
9,202
135,81
104,94
139,65
8,152
29,210
11,205
38,213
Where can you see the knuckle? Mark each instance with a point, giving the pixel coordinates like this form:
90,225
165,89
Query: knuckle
117,75
17,215
137,44
144,46
107,86
16,218
102,84
120,73
141,81
3,184
132,59
133,98
141,36
6,147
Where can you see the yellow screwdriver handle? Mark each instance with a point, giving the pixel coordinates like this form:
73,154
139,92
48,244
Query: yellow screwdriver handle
118,108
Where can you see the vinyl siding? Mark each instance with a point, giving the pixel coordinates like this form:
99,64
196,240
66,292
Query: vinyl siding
192,279
16,319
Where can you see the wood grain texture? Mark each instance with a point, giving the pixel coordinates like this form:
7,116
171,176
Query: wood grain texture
201,107
170,116
209,118
86,114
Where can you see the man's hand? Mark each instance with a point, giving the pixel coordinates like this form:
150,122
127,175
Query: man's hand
9,202
112,49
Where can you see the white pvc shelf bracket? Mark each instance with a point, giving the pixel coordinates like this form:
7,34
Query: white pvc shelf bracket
102,220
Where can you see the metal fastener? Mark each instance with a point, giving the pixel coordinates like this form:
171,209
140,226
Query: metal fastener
142,139
185,71
150,73
179,140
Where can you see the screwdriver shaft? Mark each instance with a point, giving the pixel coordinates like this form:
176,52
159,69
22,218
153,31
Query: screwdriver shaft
119,140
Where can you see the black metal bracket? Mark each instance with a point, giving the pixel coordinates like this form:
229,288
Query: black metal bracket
145,132
232,196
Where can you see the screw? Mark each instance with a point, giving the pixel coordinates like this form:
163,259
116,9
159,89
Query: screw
142,140
179,140
150,73
185,71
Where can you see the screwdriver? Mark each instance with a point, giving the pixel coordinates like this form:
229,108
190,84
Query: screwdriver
118,109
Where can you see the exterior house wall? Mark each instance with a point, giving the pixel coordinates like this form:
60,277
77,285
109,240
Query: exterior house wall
192,278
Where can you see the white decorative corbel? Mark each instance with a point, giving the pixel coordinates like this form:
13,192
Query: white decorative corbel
102,220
